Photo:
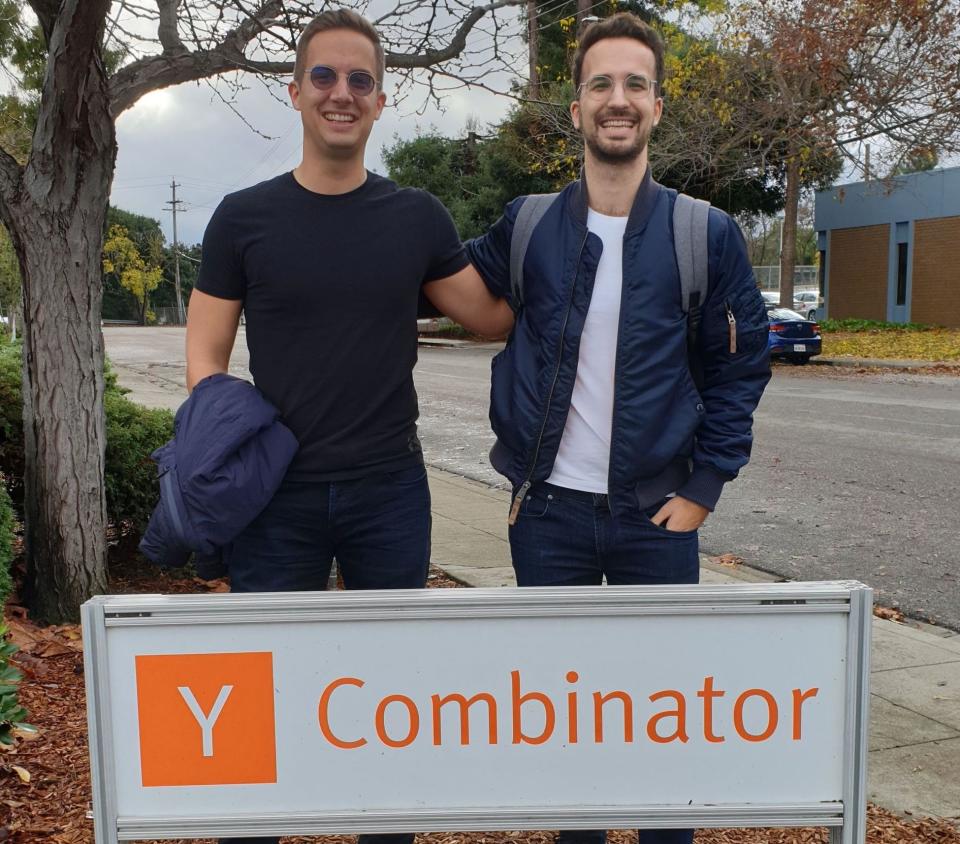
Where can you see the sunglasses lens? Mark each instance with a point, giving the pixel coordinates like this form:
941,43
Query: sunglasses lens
361,82
323,77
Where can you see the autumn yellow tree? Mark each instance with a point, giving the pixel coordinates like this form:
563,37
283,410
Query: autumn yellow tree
122,259
848,76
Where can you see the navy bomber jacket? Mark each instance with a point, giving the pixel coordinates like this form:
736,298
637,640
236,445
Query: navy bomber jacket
224,464
667,435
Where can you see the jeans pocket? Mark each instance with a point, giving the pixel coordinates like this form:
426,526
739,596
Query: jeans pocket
413,476
649,512
537,503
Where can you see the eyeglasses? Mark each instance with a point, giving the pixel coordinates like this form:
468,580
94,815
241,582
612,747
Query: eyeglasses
359,82
635,86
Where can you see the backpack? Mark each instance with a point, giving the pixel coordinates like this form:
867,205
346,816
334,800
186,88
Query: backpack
690,244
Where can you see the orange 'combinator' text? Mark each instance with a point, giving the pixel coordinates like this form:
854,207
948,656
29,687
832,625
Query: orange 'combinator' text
755,715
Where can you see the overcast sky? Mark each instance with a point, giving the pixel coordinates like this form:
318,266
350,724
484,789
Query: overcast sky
188,133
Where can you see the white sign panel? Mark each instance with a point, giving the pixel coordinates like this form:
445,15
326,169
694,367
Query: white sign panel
476,709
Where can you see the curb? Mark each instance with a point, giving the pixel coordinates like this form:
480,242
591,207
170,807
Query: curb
880,363
440,341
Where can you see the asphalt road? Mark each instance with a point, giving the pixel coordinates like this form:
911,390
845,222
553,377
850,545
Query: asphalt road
852,476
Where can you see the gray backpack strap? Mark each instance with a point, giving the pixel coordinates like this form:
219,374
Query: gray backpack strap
691,244
690,218
531,212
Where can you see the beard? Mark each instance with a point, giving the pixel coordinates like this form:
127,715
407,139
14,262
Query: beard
614,152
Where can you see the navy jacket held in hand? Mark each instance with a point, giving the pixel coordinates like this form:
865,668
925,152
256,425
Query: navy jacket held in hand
667,435
228,455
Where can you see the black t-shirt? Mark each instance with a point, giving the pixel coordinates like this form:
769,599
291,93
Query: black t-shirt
330,288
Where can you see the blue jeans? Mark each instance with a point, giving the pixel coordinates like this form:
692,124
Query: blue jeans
377,527
565,537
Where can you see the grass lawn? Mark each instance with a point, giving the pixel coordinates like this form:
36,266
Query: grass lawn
865,339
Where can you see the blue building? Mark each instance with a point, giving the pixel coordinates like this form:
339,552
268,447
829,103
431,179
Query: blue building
890,248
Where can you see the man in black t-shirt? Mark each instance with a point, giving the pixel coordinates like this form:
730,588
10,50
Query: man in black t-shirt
327,264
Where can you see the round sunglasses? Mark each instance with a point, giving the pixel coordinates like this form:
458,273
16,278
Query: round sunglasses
359,82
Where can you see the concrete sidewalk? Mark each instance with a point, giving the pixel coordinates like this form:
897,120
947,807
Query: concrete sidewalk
914,761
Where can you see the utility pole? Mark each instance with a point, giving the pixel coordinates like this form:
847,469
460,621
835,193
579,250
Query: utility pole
583,8
174,203
533,42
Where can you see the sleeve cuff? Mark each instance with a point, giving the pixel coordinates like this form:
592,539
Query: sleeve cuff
704,486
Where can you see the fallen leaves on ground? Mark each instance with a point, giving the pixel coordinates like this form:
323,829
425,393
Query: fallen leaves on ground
731,560
49,804
933,344
889,613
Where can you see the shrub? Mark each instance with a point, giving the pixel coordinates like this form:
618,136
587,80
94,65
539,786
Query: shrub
11,414
857,325
6,543
12,714
133,432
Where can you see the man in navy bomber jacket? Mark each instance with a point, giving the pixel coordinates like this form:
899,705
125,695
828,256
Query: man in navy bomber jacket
615,452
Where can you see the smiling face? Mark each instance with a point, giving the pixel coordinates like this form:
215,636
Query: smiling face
337,122
616,124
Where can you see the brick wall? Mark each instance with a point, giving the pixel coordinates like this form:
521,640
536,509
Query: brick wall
936,272
859,262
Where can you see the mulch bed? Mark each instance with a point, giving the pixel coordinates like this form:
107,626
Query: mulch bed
45,781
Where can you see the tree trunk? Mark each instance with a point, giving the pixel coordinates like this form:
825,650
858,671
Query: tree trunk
63,420
56,216
788,251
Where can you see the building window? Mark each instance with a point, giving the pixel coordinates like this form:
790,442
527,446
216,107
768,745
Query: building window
902,274
822,272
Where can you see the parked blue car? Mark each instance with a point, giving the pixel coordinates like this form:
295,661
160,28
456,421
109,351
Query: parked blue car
791,336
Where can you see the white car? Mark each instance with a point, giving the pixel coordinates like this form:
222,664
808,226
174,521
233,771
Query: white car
808,302
771,298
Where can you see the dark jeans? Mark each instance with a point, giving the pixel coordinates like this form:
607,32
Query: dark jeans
565,537
378,528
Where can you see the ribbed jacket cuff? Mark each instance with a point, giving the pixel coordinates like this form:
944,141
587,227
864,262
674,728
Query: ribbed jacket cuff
703,486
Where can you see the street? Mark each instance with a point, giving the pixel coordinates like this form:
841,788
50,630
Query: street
853,475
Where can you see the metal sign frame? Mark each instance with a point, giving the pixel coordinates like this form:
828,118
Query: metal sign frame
846,819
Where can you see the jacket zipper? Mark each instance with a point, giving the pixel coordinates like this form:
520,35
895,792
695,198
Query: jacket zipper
731,328
616,369
527,483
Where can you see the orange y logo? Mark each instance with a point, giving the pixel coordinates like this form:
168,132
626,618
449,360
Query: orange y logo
206,719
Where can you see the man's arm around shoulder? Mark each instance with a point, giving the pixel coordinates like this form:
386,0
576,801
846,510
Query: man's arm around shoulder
466,300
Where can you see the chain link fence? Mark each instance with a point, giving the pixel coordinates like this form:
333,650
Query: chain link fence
805,277
169,316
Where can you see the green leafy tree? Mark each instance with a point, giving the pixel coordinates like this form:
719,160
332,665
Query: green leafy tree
165,296
118,301
122,260
473,176
9,277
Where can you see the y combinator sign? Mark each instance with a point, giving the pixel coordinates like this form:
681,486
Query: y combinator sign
478,709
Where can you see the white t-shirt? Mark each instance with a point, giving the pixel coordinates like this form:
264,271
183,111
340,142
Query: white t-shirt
583,460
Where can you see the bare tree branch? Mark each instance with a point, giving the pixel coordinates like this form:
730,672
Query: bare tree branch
167,30
244,48
150,74
455,46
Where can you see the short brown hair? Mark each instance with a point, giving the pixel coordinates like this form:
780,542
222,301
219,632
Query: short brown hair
338,19
620,25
